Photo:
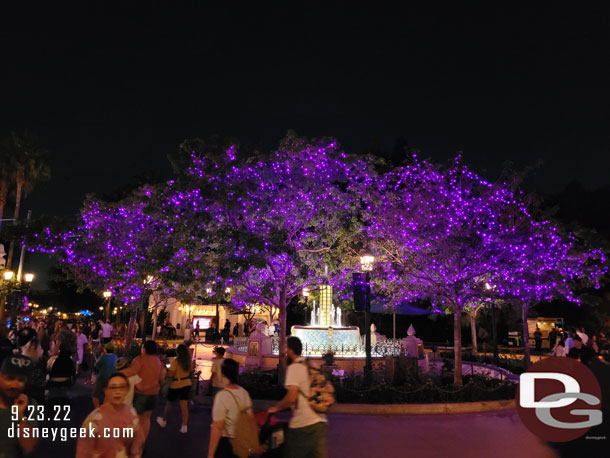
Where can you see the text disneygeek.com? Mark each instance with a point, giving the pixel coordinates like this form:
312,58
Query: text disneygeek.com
65,433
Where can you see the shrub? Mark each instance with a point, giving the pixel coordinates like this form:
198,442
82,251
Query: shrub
353,388
513,365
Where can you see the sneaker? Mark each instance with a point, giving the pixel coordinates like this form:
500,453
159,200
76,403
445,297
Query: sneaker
183,429
161,422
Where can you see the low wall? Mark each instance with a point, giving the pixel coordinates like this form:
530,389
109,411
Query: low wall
271,361
393,409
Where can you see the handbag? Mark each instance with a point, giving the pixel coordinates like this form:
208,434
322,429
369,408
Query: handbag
245,442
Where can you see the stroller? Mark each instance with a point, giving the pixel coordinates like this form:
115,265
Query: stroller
272,433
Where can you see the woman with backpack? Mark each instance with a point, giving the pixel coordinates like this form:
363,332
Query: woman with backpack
230,407
180,387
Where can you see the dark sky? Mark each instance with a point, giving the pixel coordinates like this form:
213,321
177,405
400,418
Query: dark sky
112,90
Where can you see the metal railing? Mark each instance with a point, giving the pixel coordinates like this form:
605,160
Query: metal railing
386,347
240,344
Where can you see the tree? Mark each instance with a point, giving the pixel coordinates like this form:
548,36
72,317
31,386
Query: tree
114,246
546,264
28,166
441,233
277,220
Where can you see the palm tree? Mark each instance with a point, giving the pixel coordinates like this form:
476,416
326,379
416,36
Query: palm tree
6,159
29,167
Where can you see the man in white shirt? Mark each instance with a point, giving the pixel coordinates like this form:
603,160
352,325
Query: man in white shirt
584,337
106,332
306,436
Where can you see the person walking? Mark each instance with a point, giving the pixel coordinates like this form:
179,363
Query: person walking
580,351
583,336
570,340
107,332
552,338
112,415
306,435
152,372
180,387
35,385
559,349
81,342
216,375
14,373
105,366
95,334
228,404
538,339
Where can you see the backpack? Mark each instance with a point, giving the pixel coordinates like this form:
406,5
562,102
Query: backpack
321,391
245,443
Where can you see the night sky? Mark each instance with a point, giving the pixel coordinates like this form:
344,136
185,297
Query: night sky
112,90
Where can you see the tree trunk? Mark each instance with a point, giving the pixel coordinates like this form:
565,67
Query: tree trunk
283,341
9,259
473,331
154,329
3,195
457,345
2,303
526,341
143,324
130,328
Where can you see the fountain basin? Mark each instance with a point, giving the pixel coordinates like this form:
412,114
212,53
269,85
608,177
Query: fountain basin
320,340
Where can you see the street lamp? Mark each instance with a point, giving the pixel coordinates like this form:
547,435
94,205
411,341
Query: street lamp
18,291
366,262
361,282
494,331
107,295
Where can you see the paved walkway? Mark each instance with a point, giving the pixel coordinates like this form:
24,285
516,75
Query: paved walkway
485,435
491,434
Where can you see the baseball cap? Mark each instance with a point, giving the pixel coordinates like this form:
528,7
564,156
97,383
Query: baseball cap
109,346
16,365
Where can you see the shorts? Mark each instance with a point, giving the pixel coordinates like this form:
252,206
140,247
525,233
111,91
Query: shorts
144,402
179,394
306,442
106,340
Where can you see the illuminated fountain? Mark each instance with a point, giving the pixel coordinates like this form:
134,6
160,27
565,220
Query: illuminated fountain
326,332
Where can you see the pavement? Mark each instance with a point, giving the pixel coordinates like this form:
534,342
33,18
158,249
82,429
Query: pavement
489,434
498,434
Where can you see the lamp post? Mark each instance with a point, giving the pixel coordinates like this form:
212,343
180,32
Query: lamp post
148,282
108,296
362,302
494,332
25,283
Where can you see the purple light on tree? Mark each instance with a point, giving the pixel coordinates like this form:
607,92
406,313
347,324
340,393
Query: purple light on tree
446,235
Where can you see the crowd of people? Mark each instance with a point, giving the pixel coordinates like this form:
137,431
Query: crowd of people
576,343
41,359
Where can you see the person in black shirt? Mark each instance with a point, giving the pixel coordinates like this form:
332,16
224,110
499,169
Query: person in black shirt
580,352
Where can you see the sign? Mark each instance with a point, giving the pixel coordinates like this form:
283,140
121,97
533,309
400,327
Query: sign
559,399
